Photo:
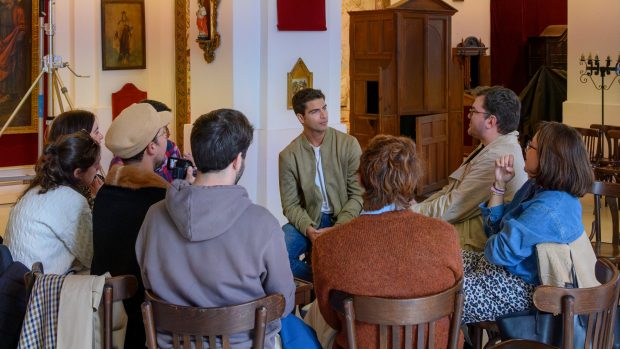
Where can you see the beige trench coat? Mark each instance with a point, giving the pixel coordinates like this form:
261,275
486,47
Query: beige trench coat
469,186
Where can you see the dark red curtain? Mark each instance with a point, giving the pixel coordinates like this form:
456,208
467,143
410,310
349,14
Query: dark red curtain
512,22
301,15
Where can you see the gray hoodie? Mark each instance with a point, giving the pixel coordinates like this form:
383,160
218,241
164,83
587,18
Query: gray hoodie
212,247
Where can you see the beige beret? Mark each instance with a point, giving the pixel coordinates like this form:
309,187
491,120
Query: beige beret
134,128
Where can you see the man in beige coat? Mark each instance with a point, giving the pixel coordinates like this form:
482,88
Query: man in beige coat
493,119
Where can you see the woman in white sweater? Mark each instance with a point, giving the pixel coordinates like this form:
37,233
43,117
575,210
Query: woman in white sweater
52,220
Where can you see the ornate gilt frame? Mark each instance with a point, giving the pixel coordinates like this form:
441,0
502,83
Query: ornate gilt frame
181,69
210,45
34,72
299,77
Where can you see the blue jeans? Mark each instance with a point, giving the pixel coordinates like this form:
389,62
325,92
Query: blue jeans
298,244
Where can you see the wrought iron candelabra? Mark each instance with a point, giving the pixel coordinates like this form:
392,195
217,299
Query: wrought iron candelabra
593,67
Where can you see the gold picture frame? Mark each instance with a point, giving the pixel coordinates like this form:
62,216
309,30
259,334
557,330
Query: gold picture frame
206,20
123,35
19,74
297,79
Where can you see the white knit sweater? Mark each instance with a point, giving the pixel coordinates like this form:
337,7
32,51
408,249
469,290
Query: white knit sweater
55,228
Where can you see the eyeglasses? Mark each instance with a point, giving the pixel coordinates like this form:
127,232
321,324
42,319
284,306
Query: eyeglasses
473,110
161,132
529,146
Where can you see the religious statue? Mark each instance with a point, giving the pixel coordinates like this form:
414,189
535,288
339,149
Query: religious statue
202,22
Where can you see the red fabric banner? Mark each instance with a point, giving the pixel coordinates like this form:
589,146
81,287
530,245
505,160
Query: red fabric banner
512,22
301,15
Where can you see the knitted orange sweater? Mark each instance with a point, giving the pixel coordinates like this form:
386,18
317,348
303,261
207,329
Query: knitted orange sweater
395,254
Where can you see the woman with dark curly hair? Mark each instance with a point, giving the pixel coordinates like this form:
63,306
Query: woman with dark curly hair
52,220
388,251
545,210
74,121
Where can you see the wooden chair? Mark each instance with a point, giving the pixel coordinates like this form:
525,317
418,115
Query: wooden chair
605,130
476,330
522,344
303,292
611,192
191,324
116,288
609,168
388,313
599,303
30,277
593,142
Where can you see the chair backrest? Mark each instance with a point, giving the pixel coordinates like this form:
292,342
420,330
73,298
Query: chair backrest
599,303
611,192
392,315
522,344
126,96
30,277
593,142
613,142
192,324
115,289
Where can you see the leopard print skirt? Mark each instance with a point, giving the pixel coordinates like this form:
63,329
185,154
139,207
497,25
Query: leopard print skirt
490,290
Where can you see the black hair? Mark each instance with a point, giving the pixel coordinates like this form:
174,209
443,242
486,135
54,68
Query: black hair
218,137
70,122
504,104
304,96
157,105
61,158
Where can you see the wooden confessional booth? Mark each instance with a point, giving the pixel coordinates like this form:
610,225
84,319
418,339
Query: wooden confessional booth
400,70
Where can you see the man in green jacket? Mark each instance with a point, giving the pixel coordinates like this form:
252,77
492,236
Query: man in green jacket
318,179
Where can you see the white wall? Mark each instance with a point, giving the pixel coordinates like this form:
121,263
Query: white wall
78,41
249,74
472,19
592,27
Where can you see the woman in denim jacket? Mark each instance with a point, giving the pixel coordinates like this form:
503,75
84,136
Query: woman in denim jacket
545,209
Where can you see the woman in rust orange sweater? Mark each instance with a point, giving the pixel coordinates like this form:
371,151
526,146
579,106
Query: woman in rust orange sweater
388,251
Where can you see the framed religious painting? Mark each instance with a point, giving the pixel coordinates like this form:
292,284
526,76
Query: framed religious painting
297,79
122,34
19,63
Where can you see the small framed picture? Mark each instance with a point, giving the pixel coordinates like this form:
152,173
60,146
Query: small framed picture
298,78
122,34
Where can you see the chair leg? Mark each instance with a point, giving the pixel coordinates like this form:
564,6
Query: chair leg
475,334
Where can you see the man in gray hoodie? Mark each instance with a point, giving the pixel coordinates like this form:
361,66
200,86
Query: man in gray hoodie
207,244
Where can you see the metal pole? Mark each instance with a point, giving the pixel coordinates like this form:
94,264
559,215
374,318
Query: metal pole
63,89
50,63
40,99
603,100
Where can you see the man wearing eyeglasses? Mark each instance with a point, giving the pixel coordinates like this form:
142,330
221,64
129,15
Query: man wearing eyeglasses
493,119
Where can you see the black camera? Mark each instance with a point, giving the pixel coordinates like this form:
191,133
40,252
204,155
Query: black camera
178,167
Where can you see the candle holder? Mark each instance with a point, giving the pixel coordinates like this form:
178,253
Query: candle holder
593,68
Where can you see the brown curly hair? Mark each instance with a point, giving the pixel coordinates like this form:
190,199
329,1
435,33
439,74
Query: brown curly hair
389,171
